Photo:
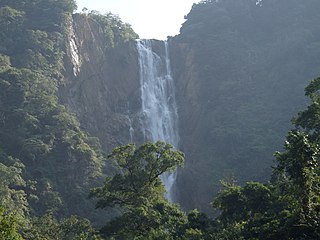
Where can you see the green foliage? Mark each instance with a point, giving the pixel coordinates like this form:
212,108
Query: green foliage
309,119
12,187
60,162
289,207
299,165
46,227
78,229
8,226
138,180
115,31
4,63
199,226
11,19
160,220
11,22
139,192
46,15
48,164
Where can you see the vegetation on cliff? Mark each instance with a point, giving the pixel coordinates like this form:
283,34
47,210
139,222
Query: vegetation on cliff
115,30
241,65
48,164
47,159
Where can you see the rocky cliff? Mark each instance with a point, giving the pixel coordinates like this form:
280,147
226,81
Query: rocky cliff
102,82
239,78
239,75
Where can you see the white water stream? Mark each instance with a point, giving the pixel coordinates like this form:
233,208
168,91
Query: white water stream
159,111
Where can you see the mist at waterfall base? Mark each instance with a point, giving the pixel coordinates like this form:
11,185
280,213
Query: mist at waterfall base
159,111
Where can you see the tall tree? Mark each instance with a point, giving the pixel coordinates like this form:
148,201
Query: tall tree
139,193
289,206
300,164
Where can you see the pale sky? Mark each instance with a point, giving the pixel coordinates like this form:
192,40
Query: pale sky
149,18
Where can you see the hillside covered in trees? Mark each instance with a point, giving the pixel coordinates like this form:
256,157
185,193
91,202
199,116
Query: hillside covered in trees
239,69
47,163
57,180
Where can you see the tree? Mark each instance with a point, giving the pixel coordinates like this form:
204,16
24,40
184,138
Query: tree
300,165
139,193
47,227
289,206
8,226
12,188
139,171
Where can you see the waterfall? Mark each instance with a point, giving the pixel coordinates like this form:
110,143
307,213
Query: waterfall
130,124
131,130
159,111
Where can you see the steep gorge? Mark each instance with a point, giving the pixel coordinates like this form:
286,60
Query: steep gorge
238,82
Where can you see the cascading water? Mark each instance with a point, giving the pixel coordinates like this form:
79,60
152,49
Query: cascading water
131,130
159,111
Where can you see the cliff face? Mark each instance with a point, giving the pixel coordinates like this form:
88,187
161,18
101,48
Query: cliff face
239,77
102,82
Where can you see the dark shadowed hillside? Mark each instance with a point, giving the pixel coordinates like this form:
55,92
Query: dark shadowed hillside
239,69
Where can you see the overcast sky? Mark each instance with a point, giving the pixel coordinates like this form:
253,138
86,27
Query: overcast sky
149,18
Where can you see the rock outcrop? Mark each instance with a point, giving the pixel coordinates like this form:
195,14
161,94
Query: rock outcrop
102,82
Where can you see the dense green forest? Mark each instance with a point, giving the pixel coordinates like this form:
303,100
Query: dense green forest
53,174
47,163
